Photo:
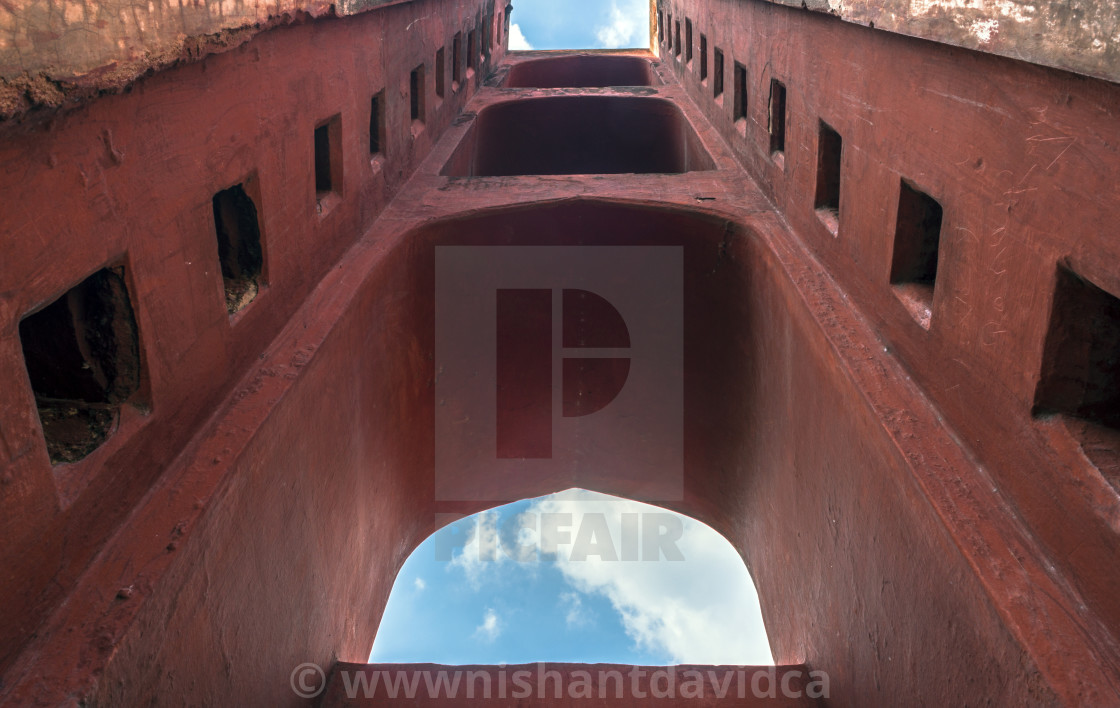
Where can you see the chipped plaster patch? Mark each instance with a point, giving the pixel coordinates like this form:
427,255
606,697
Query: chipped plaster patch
982,29
1006,9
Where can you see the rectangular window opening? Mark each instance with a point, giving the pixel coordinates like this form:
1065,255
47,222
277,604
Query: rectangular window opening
660,27
703,58
777,123
688,40
457,60
440,70
416,90
239,245
917,239
740,106
328,157
82,354
377,123
677,38
669,34
830,148
1080,374
487,28
472,50
717,72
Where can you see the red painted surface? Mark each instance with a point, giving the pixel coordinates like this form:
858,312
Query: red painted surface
129,180
912,530
1023,161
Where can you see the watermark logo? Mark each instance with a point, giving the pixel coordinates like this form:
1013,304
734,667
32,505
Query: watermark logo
531,537
671,683
555,362
308,680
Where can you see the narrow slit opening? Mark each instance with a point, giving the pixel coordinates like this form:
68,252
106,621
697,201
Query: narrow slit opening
740,105
688,41
703,58
457,60
777,124
439,70
416,94
717,73
377,123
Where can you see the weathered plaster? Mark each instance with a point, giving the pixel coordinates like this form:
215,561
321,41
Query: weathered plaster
52,50
1082,36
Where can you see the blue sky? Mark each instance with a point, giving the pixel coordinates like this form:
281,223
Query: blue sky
463,598
579,24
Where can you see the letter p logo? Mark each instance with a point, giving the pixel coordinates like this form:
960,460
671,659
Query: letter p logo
555,364
595,364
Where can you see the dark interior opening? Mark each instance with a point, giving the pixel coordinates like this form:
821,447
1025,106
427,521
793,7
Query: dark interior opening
703,58
377,123
82,355
687,40
579,135
472,58
916,243
239,245
457,59
440,71
777,126
1081,358
829,151
323,180
740,107
917,237
717,72
660,27
677,38
581,71
416,93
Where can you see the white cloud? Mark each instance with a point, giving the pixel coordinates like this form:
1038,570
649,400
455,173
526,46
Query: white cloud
490,628
419,584
628,26
481,551
575,614
702,609
517,41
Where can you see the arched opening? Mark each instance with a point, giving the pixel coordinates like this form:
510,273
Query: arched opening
581,71
576,576
579,24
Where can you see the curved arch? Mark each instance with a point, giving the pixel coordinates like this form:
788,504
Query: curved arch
718,258
574,576
581,71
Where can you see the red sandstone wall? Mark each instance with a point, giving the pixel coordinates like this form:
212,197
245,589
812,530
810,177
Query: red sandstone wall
859,573
129,179
882,552
1023,161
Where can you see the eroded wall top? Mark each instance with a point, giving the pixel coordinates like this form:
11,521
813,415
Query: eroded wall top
1082,36
52,48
